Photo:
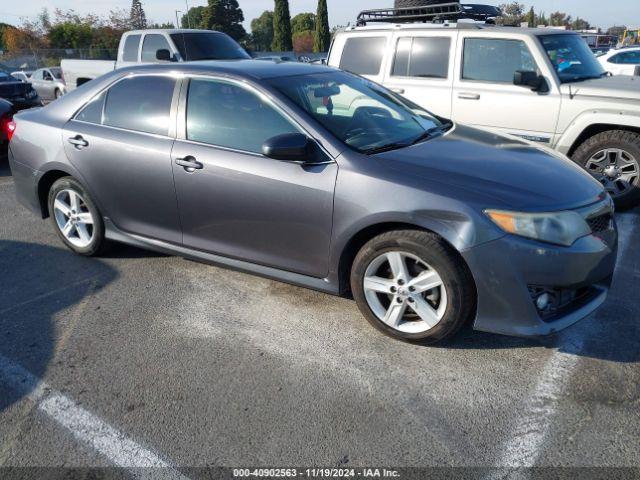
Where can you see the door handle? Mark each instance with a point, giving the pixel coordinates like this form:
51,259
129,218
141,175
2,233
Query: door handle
397,90
78,142
189,163
469,96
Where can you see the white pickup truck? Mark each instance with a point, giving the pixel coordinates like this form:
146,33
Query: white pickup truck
151,46
543,85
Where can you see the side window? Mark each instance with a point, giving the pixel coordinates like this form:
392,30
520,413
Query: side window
493,60
37,75
46,75
151,44
131,44
426,57
629,58
363,55
226,115
92,112
141,103
614,59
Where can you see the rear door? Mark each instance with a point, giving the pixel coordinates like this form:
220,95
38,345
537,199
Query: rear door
121,144
421,68
484,94
238,203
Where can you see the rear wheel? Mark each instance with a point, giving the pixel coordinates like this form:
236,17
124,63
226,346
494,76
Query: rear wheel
613,158
57,93
75,217
412,286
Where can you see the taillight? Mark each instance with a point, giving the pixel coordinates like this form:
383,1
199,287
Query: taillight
9,127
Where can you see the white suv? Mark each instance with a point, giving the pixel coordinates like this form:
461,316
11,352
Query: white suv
543,85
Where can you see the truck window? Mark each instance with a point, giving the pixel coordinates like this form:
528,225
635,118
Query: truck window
208,46
152,43
494,60
130,51
363,55
426,57
141,103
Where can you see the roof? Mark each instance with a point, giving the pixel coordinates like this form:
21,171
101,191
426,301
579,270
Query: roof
462,25
170,31
255,69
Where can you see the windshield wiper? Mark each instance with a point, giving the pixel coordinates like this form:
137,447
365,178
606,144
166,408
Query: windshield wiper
386,148
432,132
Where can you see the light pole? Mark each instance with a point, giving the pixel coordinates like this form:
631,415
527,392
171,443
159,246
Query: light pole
177,21
186,2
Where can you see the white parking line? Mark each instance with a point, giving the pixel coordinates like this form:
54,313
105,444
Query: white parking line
85,426
527,440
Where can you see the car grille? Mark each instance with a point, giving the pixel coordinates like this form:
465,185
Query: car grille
600,223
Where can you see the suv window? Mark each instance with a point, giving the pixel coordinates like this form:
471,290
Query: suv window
151,44
494,60
226,115
141,103
426,57
130,53
92,112
363,55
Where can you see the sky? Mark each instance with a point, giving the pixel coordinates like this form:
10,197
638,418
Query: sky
341,12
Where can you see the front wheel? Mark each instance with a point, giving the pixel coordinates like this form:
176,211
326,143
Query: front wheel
412,286
76,218
613,158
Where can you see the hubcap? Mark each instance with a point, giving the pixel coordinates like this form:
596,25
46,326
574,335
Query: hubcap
616,169
404,292
73,218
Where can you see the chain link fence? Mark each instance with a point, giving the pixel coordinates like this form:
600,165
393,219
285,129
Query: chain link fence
49,57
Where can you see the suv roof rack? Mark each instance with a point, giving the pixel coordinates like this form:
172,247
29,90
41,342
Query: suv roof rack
438,13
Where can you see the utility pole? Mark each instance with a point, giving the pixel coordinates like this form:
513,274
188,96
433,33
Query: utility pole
186,2
177,21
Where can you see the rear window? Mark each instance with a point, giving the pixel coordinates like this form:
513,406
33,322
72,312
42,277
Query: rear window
208,46
425,57
141,103
363,55
131,44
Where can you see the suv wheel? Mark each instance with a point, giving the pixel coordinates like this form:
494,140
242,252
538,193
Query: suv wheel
411,286
75,217
613,157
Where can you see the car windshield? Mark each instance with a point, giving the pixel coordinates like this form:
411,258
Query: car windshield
572,58
207,46
363,115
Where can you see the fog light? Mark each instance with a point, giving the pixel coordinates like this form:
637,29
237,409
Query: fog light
543,301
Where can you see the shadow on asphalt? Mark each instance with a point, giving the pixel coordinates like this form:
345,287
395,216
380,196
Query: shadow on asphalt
36,283
5,171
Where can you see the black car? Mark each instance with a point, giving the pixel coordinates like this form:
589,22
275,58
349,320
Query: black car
6,114
22,95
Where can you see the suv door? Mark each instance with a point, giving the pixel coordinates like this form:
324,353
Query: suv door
421,68
484,94
236,202
121,143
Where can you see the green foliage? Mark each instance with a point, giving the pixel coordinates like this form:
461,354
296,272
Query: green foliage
193,17
512,13
303,22
3,28
531,18
224,16
560,19
323,33
303,41
70,35
262,31
580,24
282,41
138,17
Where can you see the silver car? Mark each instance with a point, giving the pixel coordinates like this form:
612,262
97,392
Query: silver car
49,83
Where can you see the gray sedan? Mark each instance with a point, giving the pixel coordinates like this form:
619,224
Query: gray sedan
323,179
49,83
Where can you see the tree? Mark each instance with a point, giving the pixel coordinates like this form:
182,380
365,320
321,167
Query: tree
303,22
193,17
262,31
531,18
580,24
282,27
138,17
224,16
303,41
542,20
70,35
559,19
512,14
323,33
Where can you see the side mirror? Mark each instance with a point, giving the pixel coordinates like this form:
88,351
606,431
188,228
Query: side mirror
291,147
164,55
532,80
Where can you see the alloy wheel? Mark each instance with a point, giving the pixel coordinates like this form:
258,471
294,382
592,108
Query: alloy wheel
404,292
73,218
616,169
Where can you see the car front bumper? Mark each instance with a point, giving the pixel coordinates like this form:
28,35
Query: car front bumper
507,271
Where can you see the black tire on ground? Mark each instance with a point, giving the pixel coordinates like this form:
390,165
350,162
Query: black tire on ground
57,94
617,139
435,252
419,3
98,243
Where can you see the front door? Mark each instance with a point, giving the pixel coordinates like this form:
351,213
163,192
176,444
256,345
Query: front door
121,144
239,203
484,94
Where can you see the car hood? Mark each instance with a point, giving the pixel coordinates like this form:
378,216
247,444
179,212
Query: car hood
619,86
500,171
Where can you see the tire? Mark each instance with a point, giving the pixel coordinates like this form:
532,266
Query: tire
419,3
453,301
596,155
84,238
57,94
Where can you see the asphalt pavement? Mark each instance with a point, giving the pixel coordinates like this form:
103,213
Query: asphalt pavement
138,359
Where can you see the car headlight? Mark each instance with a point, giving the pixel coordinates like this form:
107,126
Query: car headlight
560,228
